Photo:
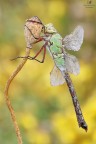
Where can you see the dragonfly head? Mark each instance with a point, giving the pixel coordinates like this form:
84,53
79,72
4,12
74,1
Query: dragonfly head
49,28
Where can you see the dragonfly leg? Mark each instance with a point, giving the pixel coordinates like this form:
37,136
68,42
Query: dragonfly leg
28,20
38,39
19,57
34,58
28,57
42,48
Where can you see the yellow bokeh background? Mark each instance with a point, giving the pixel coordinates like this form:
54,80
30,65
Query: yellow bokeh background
45,114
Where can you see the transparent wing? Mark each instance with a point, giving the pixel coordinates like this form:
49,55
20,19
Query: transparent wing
72,64
56,77
74,40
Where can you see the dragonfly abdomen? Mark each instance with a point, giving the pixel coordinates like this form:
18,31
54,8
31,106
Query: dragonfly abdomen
59,61
76,104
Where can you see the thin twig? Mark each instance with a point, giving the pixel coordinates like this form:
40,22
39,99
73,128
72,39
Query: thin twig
19,67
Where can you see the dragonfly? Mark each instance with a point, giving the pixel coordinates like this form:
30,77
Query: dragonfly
64,63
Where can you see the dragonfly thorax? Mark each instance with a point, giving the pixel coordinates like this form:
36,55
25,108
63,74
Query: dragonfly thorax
49,28
56,50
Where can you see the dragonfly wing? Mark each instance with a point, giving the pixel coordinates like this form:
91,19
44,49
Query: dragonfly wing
56,77
74,40
72,64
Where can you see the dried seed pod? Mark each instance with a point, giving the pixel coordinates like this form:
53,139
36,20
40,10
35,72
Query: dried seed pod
32,30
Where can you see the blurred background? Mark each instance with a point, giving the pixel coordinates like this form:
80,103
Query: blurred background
45,114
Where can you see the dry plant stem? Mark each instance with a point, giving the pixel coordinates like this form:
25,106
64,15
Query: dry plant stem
19,67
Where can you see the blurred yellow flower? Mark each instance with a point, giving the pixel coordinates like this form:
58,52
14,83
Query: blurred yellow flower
94,135
63,128
28,121
38,137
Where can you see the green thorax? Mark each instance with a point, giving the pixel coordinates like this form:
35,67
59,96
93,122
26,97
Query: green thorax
56,51
56,44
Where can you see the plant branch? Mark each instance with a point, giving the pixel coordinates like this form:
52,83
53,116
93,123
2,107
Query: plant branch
17,70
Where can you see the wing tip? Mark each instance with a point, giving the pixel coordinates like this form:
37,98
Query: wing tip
80,28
